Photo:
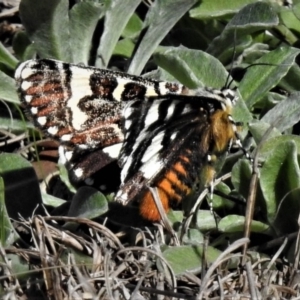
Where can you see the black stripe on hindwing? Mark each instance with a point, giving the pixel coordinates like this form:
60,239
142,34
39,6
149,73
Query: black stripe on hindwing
177,123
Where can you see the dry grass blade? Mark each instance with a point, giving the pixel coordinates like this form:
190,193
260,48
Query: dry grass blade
220,287
93,225
45,266
83,280
297,255
119,271
139,284
157,255
12,280
188,220
108,278
109,271
276,255
252,190
210,271
250,277
275,243
163,215
250,205
12,7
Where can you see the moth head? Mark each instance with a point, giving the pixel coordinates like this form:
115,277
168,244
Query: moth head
227,97
230,95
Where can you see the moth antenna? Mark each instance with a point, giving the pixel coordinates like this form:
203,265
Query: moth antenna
253,65
228,83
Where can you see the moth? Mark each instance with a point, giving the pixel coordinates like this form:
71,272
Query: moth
163,134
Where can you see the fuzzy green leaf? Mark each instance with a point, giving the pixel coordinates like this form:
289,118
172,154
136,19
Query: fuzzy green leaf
162,16
116,19
133,27
291,108
236,223
255,15
260,79
279,176
189,258
84,17
8,234
88,203
7,58
290,19
273,143
291,81
251,18
259,128
52,200
8,91
240,178
20,44
58,32
209,9
193,68
15,125
219,202
22,192
47,25
124,48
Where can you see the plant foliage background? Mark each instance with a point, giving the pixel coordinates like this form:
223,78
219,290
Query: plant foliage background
196,43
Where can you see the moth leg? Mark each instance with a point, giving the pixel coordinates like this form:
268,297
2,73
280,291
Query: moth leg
211,180
211,194
211,188
236,142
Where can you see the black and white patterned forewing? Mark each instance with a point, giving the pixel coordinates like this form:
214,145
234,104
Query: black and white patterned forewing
158,133
70,103
81,107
